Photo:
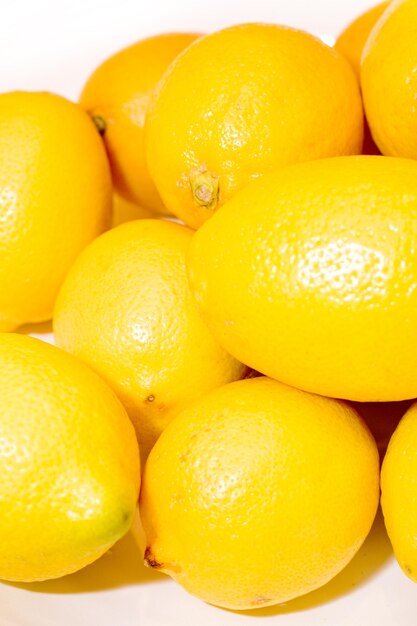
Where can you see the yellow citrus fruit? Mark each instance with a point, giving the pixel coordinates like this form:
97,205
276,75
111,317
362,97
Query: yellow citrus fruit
389,80
55,197
117,96
127,310
69,462
352,40
236,504
125,211
242,102
309,274
399,492
350,43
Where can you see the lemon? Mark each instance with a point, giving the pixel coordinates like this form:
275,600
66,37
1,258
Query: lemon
399,492
55,197
258,493
127,310
69,462
308,275
242,102
351,43
116,95
352,40
389,80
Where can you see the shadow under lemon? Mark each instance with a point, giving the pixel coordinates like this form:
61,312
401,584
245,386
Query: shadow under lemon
121,566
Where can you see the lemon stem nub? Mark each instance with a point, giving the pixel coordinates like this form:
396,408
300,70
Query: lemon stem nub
100,123
205,188
150,560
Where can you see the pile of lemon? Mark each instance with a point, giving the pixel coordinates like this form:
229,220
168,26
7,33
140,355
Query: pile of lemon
242,331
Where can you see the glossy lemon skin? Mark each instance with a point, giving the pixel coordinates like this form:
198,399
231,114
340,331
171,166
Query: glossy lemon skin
309,275
55,197
242,102
271,492
127,310
69,462
389,80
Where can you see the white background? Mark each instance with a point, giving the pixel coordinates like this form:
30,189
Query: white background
53,45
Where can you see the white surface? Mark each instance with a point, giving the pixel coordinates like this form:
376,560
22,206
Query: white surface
53,45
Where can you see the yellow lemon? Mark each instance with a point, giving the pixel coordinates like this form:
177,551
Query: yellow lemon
352,40
389,80
116,95
69,462
242,102
309,275
258,493
127,310
351,43
55,197
399,492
